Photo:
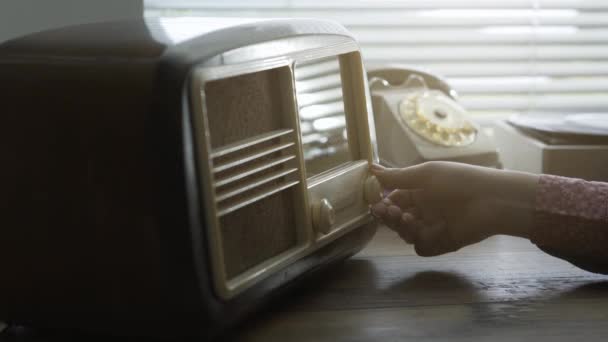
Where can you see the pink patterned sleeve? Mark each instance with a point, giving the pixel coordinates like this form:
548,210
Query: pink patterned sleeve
571,221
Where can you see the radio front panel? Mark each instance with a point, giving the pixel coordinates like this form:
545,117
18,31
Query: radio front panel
279,142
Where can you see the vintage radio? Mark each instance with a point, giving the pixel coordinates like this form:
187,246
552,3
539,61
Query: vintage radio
165,176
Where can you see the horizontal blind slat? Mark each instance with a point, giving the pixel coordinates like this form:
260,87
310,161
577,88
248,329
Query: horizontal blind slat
528,84
501,56
558,102
443,4
518,68
411,4
517,34
408,18
422,53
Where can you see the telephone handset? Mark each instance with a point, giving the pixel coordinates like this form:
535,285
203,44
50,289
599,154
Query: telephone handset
418,118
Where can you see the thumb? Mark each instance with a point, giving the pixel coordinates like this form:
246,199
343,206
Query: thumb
393,178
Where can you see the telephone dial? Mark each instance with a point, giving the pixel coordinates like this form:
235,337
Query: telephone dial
418,118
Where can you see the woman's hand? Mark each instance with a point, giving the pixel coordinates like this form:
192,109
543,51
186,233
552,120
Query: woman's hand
443,206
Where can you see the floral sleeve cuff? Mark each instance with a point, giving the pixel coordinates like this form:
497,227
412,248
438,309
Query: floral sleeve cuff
571,219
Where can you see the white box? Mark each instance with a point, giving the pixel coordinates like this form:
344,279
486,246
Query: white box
523,152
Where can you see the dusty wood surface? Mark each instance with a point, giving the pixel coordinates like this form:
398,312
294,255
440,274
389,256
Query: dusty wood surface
503,289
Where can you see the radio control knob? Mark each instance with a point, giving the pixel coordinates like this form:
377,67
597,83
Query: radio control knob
372,190
323,216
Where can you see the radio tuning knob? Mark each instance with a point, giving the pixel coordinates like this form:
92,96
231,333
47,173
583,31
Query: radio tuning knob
323,216
372,190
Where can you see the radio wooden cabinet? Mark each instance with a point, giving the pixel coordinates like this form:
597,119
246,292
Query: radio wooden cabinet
164,177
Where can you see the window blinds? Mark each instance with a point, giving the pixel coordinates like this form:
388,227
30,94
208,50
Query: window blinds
502,57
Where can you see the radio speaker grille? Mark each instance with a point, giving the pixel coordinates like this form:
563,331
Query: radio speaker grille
255,167
243,106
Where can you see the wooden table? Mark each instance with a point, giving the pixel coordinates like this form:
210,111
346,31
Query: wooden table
501,289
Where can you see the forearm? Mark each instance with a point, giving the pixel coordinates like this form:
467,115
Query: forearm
513,197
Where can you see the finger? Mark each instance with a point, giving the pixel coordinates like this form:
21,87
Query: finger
388,214
424,206
412,222
408,227
432,240
408,217
415,212
379,210
405,229
393,217
401,198
394,178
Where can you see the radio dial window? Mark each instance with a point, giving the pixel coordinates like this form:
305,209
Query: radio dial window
322,113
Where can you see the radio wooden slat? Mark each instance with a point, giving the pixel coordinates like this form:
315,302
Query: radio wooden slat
221,196
247,158
224,150
252,170
256,197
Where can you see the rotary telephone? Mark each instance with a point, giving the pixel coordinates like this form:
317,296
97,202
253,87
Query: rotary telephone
418,118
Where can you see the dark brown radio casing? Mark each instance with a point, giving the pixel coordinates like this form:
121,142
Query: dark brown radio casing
105,208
